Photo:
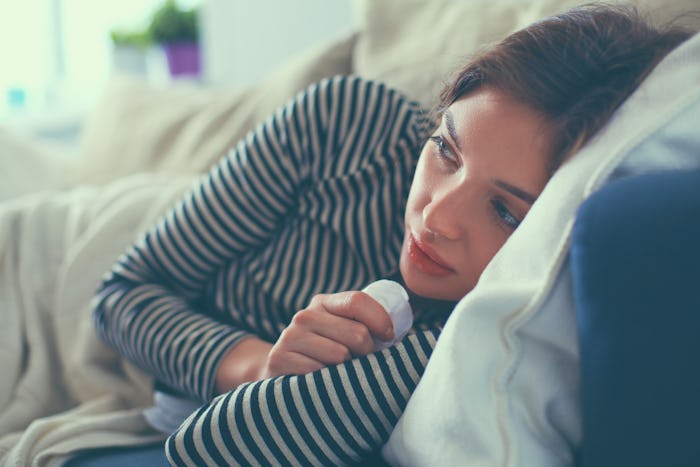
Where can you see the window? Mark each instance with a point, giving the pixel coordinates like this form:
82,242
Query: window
57,53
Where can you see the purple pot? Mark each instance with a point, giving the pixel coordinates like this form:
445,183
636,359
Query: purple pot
183,59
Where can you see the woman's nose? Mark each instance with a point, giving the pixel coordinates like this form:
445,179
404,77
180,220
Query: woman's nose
447,212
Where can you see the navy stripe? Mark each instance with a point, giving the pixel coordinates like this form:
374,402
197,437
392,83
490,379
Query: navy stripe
224,426
394,390
218,193
339,388
369,411
275,409
381,401
336,421
262,199
240,235
171,450
280,190
206,207
319,428
253,224
401,369
175,253
187,437
242,426
298,423
208,440
261,425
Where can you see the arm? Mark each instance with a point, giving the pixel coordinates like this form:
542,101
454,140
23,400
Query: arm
152,306
157,306
334,416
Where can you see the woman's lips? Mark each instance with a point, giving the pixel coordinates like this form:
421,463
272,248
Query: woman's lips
425,259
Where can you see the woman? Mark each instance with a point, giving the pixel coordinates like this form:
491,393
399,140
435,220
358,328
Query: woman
312,203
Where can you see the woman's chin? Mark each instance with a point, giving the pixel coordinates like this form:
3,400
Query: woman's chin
421,284
432,287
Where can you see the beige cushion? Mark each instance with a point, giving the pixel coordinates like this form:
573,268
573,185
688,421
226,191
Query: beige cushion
29,166
414,45
186,129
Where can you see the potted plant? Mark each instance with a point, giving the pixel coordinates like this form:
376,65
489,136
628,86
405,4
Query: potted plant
129,53
176,30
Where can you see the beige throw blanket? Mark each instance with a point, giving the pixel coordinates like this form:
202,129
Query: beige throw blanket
62,389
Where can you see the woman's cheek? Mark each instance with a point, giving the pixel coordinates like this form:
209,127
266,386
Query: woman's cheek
490,240
419,193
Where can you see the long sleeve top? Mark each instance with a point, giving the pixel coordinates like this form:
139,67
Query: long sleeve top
310,202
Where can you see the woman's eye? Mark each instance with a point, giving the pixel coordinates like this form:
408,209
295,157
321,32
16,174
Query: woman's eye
442,147
504,215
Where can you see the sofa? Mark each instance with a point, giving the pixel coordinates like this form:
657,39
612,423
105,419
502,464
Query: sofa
64,218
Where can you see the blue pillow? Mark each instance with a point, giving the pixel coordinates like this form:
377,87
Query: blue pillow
635,260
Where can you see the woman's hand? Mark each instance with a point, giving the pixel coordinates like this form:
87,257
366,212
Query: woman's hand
332,329
244,362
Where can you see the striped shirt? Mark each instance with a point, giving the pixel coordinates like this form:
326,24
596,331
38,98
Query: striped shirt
310,202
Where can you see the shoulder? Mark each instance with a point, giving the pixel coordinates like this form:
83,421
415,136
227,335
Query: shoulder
357,97
349,88
358,85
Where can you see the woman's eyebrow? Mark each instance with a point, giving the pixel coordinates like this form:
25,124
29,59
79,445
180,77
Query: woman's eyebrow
515,191
450,124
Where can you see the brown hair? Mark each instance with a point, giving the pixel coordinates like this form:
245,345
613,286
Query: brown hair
575,68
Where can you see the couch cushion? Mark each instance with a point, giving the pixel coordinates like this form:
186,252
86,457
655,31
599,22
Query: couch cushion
414,45
635,261
29,166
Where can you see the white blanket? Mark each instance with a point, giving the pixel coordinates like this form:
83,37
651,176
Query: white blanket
61,388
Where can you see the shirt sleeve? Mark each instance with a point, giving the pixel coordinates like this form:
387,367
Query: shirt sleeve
338,415
155,306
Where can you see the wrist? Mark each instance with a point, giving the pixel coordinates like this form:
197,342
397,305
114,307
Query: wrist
244,362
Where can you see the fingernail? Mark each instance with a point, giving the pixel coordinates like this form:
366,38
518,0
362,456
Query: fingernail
389,333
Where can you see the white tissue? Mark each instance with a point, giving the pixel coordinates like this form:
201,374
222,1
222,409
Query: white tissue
394,298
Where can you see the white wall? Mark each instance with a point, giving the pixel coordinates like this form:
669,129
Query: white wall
245,39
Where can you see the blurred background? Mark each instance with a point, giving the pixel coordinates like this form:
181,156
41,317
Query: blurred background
56,55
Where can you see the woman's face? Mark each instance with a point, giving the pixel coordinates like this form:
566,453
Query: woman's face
476,179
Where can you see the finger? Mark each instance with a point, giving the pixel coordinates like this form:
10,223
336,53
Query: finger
353,335
360,307
291,363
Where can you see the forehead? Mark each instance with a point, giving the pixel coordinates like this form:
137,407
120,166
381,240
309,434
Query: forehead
491,125
491,110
